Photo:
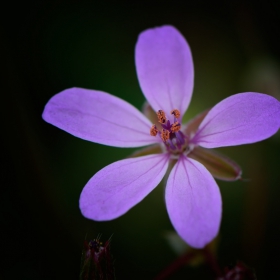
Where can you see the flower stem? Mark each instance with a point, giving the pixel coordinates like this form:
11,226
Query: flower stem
186,258
175,265
212,262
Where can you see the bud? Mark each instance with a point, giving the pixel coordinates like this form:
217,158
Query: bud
97,261
239,271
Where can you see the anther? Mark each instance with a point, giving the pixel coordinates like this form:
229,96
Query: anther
164,135
176,113
175,127
161,117
153,130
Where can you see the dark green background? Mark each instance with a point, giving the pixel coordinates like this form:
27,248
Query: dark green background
47,46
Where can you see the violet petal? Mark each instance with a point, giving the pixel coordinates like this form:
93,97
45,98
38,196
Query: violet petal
116,188
239,119
165,69
99,117
193,202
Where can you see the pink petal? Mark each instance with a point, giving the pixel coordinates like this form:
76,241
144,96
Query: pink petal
98,117
239,119
165,68
115,189
193,202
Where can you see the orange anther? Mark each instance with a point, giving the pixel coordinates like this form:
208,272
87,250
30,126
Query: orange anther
164,135
175,127
161,117
153,130
176,113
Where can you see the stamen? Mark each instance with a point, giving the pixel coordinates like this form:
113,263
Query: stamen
161,116
171,144
175,127
174,140
176,113
153,130
180,137
164,135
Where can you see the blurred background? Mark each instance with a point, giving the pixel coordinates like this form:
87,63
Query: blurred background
48,46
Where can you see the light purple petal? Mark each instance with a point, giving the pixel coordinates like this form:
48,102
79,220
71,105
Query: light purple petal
193,202
165,68
115,189
99,117
239,119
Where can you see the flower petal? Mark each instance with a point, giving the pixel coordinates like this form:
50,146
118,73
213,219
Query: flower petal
115,189
193,202
99,117
220,166
165,68
239,119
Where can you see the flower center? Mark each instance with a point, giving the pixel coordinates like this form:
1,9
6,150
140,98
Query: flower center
171,135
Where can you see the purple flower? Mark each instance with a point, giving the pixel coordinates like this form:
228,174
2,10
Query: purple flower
165,72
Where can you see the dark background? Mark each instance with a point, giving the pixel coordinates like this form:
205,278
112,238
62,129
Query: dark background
47,46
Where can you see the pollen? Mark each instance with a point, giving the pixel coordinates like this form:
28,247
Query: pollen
176,113
161,117
175,127
153,130
164,135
